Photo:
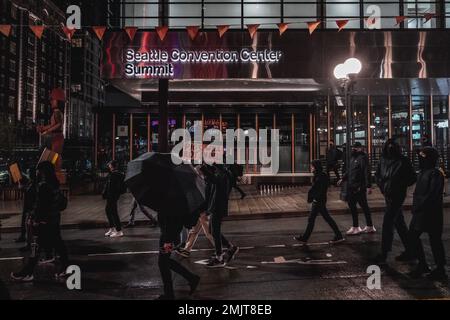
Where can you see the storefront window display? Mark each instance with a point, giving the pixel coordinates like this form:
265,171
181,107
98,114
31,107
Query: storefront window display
400,121
379,126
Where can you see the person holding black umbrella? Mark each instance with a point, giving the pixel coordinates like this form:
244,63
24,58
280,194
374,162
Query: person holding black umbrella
114,188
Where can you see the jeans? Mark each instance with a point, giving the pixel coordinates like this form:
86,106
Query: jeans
393,218
113,215
316,209
166,265
215,224
360,198
202,224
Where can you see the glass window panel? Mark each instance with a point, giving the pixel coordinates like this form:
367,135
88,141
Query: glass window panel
418,9
178,10
300,10
440,126
301,147
122,138
335,9
104,147
265,121
400,121
140,135
262,9
338,117
248,122
420,119
447,15
283,123
379,126
390,10
229,121
359,104
222,13
322,129
146,13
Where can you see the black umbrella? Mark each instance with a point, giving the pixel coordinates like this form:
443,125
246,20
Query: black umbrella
156,182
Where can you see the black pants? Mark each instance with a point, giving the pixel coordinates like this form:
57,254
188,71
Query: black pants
360,198
48,238
166,265
215,225
394,219
113,215
437,247
335,169
143,210
316,209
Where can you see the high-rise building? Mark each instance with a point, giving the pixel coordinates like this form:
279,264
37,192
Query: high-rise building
29,69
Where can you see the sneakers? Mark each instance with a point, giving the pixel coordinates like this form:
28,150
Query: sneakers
108,233
230,254
369,229
21,277
302,241
353,231
337,240
183,252
116,234
437,274
216,262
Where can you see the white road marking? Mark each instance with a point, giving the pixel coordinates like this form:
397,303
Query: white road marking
11,258
122,253
311,244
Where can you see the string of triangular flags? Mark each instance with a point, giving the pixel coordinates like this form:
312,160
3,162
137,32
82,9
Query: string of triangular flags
192,31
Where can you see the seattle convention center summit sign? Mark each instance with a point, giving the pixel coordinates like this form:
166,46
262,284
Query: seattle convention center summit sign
162,63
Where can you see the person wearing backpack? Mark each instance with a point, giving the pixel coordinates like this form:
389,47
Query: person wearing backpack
46,217
114,188
394,175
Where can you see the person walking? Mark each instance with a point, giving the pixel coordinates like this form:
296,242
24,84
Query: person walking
114,188
357,181
333,156
218,186
170,236
427,215
46,223
202,224
317,196
134,206
28,185
394,175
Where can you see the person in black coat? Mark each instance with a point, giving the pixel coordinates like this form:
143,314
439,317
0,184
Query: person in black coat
46,218
113,190
218,187
394,175
317,196
171,227
29,198
428,215
333,156
357,185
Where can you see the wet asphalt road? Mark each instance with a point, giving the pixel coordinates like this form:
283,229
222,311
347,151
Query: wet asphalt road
126,268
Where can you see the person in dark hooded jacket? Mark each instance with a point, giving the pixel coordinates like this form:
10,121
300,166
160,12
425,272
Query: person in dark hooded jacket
393,176
317,196
428,217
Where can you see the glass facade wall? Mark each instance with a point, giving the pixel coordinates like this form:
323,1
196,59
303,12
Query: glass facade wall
267,13
304,135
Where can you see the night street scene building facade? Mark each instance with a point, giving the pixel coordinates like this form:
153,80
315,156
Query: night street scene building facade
372,76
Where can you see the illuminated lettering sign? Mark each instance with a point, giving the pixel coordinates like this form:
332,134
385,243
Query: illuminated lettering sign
160,63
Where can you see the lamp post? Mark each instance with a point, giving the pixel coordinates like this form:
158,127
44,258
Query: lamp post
346,73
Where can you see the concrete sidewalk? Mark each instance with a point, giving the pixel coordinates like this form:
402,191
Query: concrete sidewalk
88,211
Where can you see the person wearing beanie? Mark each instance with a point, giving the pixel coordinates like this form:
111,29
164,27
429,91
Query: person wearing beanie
317,196
428,217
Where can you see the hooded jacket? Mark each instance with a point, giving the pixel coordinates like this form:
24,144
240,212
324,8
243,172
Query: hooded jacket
319,188
358,178
427,199
394,172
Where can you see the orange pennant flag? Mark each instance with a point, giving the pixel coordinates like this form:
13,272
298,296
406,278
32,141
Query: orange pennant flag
282,27
5,29
252,28
131,32
162,31
312,26
99,31
222,29
192,31
341,24
38,31
429,16
69,32
371,21
399,19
